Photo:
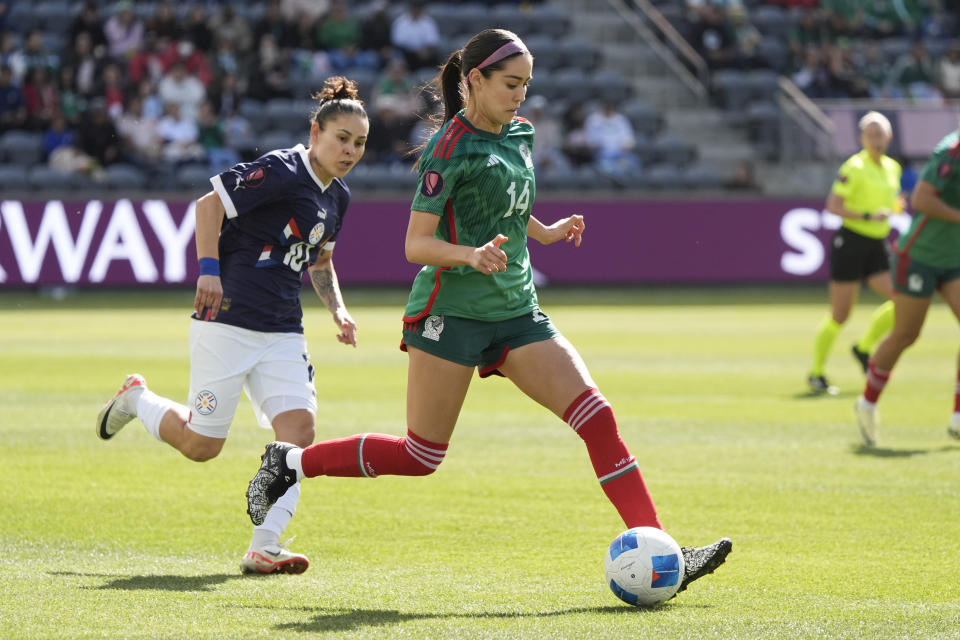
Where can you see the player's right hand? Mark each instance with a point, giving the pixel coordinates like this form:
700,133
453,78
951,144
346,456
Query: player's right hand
209,295
490,258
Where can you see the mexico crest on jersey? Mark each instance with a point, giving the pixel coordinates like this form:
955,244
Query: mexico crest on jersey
316,234
527,156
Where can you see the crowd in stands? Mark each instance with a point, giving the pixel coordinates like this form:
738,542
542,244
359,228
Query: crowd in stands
832,49
161,85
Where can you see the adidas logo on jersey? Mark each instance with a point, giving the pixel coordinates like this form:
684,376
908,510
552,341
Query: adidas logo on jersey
493,160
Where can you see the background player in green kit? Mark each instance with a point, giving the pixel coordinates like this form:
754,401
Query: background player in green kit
864,194
473,305
927,259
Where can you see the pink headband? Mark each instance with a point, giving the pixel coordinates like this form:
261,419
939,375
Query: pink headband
508,49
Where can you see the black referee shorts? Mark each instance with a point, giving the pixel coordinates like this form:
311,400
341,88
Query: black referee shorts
855,257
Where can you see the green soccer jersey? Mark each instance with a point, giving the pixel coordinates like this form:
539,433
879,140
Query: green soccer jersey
929,240
480,184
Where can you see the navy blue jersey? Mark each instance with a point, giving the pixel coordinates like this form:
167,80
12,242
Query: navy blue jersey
278,217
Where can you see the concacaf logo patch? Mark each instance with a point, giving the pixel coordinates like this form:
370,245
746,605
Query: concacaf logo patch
206,403
944,170
432,184
252,179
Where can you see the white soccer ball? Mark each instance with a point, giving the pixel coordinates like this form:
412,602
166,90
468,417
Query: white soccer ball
644,566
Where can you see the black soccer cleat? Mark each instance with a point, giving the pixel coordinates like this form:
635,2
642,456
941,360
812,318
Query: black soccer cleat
819,385
699,561
272,481
862,357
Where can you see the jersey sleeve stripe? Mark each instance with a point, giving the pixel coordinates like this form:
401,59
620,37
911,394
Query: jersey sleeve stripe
228,205
443,139
445,143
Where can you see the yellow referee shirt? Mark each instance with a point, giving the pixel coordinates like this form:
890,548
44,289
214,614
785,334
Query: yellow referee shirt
867,187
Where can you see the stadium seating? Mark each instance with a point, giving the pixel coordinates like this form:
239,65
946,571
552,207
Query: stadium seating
21,147
124,177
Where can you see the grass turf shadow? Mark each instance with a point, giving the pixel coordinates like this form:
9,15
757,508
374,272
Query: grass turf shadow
156,582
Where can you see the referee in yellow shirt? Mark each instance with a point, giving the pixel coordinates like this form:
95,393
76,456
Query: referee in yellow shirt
865,193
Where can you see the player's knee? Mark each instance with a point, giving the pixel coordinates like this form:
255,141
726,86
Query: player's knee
201,450
904,337
840,316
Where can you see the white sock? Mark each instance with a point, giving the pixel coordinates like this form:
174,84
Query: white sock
278,517
150,410
293,461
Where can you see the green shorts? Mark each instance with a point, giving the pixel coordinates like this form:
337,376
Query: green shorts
918,279
477,343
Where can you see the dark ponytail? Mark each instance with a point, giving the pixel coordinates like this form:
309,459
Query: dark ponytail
338,96
449,84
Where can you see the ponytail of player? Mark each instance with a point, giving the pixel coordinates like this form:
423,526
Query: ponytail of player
338,96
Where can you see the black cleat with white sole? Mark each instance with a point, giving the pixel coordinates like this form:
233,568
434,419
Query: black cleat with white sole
699,561
272,481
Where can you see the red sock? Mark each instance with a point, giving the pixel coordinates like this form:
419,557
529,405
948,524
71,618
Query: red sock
956,395
876,381
592,418
371,455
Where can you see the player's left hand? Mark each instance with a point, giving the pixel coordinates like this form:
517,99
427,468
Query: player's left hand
569,229
348,328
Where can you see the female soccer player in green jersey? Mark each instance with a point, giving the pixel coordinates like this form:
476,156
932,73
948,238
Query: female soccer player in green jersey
864,194
927,259
473,305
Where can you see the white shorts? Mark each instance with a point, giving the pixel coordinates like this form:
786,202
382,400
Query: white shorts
273,368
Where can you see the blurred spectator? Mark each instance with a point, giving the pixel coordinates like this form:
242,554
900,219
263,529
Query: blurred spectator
576,144
164,22
181,88
124,31
192,59
746,37
300,11
844,17
875,70
179,134
271,77
814,77
61,152
148,60
211,136
227,60
713,38
885,19
338,30
97,136
611,135
227,25
40,98
376,32
275,24
226,94
743,177
112,90
548,152
10,56
949,72
914,74
390,128
35,54
57,135
138,133
416,34
13,113
846,77
196,29
396,86
88,22
72,102
86,64
805,32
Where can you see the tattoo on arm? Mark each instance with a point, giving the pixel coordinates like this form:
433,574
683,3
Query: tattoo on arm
323,284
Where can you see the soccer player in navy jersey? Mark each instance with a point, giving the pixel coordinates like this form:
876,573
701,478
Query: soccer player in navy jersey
474,304
261,226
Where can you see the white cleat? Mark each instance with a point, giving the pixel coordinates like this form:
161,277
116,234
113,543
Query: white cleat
954,429
122,408
273,558
867,421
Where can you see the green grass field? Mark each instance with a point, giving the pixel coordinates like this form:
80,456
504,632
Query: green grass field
127,539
